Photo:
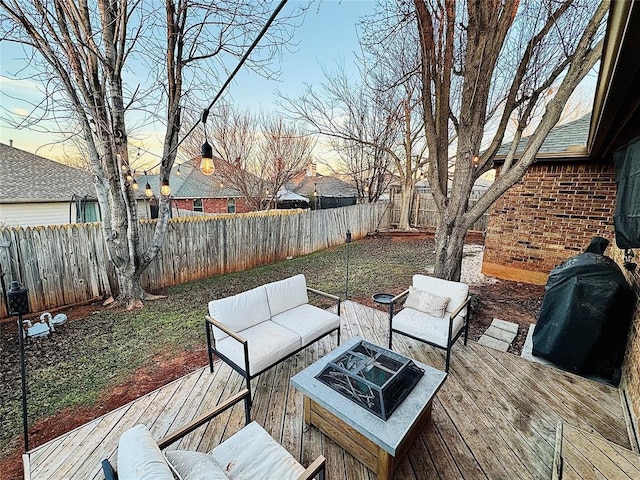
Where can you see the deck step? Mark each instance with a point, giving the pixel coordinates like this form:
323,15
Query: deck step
583,454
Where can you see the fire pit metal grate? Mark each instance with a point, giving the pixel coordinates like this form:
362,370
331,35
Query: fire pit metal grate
372,377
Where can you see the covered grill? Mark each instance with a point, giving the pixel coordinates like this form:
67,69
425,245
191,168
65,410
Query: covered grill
585,315
373,377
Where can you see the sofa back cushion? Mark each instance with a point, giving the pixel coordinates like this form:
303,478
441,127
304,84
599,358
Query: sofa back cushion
286,294
240,311
456,291
139,456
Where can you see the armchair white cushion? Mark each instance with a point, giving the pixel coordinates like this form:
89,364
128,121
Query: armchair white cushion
456,291
251,453
424,326
139,456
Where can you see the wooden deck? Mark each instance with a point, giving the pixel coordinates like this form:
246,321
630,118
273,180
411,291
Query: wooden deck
495,417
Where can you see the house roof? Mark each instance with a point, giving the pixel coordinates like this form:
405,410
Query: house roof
566,140
28,178
616,117
192,183
325,186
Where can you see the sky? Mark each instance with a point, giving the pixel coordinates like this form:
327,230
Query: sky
328,35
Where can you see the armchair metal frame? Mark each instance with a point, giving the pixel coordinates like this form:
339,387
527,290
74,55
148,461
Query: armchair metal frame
450,339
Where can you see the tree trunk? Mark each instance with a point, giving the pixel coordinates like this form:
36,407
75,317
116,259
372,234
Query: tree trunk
405,206
449,240
131,291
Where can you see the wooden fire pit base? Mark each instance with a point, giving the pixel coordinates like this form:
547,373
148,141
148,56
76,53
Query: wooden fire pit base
361,447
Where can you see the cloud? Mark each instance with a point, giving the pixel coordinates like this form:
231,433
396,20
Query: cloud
23,86
21,112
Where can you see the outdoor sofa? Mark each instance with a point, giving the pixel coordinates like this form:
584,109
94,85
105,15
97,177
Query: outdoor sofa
249,454
254,330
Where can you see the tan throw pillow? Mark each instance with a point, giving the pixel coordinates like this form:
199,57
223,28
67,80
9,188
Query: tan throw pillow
426,302
189,465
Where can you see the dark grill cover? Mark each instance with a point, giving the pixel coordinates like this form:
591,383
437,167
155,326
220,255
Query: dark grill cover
585,314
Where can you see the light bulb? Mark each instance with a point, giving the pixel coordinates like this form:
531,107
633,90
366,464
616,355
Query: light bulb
147,190
165,189
206,166
134,185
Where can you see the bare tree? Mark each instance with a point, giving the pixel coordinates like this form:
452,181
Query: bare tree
482,64
257,155
84,52
379,115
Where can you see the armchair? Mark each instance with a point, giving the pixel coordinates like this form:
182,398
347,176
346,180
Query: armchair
249,453
436,312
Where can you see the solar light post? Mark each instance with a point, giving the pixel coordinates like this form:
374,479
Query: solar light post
18,304
346,287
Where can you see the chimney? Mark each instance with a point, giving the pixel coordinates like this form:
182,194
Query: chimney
311,170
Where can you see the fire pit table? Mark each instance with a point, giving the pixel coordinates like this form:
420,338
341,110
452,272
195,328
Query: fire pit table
375,378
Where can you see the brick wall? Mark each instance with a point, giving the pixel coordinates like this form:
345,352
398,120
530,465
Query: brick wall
631,366
547,217
212,205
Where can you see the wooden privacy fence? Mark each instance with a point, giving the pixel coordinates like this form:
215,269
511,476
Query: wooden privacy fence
67,264
423,213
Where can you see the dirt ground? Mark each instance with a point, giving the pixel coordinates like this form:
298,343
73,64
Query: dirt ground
508,301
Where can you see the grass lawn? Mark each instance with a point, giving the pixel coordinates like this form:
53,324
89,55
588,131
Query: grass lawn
99,348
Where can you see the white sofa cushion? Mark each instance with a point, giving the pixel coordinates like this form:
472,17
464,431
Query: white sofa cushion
189,465
422,325
456,291
286,294
139,457
426,302
268,344
252,454
308,321
240,311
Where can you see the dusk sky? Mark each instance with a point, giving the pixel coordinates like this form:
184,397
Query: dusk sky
328,35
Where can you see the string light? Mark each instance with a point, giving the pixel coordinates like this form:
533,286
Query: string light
165,189
221,183
134,185
206,163
129,176
178,172
147,189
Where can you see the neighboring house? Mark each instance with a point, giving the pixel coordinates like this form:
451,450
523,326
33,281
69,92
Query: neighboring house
323,191
565,198
194,191
479,187
38,191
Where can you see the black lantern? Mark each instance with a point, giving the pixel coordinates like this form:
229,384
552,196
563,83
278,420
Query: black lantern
18,304
17,299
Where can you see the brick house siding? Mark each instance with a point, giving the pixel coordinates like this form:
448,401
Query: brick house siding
547,217
212,205
631,365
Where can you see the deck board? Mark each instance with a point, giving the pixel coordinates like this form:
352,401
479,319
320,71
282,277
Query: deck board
494,417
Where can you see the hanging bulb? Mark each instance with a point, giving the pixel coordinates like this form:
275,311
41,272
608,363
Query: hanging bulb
206,164
134,185
129,176
221,183
147,190
165,189
178,172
